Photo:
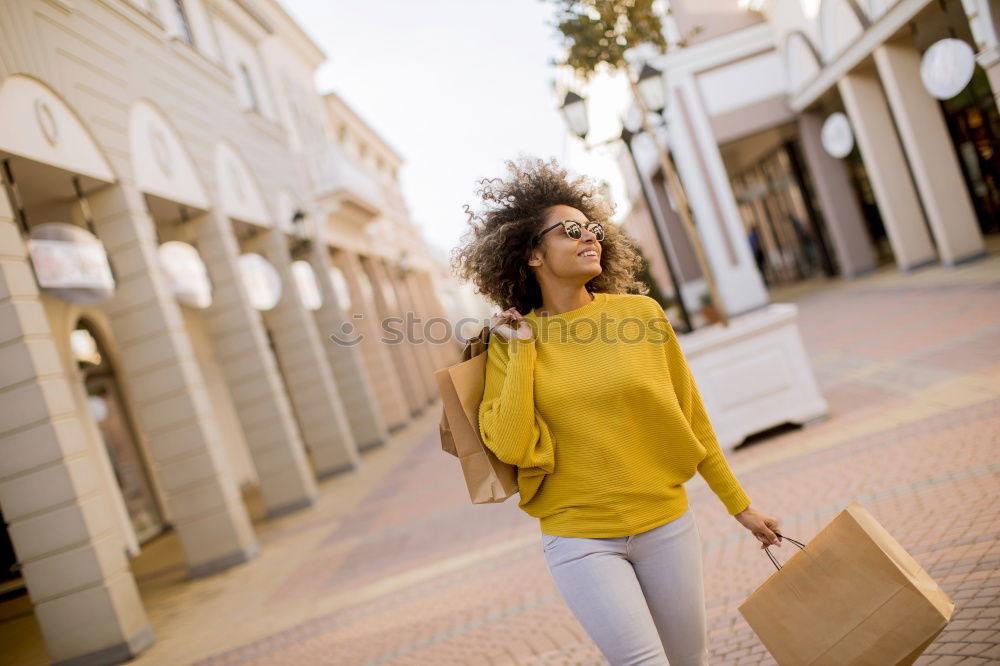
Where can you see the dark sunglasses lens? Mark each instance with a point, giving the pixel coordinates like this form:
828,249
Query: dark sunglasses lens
574,231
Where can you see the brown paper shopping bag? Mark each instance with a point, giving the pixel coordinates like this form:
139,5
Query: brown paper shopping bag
488,478
852,595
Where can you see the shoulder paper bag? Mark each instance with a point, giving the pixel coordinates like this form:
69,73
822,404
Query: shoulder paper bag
489,479
852,595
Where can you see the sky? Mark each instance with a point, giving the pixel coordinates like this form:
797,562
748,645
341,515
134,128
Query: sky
456,87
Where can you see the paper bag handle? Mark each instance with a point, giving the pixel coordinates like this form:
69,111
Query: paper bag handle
770,555
505,320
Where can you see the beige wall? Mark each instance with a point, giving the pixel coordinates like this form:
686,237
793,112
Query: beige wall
222,402
715,18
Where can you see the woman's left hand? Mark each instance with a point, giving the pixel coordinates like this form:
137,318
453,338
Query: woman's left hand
762,526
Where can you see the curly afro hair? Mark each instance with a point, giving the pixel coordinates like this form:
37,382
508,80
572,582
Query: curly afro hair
494,252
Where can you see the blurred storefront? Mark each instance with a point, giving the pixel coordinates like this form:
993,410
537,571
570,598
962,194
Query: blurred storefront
829,138
168,296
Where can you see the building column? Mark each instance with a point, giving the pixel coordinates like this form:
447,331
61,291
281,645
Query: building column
931,154
716,215
984,21
399,350
315,399
345,359
428,352
887,169
58,512
837,200
243,352
441,353
427,284
990,61
168,391
393,305
381,372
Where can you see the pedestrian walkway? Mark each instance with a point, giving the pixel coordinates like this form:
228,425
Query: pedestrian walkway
395,566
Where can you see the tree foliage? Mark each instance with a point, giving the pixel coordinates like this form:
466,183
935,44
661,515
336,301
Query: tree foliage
597,33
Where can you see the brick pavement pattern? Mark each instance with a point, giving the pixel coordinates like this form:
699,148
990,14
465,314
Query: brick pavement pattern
929,473
398,568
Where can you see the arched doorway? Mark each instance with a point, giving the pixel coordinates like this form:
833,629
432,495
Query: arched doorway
108,409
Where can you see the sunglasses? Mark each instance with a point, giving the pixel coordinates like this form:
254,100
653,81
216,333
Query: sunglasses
573,229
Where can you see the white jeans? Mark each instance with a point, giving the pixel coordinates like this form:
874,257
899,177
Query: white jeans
640,598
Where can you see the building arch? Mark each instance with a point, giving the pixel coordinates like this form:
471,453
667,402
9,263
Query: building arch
37,124
106,401
161,164
239,195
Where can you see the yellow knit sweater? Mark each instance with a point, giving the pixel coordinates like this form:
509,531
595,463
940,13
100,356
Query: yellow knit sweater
603,419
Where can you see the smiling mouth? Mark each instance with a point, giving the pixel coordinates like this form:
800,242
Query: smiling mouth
589,253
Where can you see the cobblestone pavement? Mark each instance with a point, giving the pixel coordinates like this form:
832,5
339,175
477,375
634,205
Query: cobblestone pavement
395,566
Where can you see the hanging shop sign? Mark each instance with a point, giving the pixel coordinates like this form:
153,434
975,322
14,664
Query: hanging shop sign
947,67
305,280
70,263
261,279
837,136
186,274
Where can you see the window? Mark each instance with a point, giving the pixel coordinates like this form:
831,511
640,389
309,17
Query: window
248,89
182,21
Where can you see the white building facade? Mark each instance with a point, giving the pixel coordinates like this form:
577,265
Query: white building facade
902,177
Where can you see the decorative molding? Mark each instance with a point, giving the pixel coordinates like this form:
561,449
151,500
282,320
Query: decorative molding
46,122
63,5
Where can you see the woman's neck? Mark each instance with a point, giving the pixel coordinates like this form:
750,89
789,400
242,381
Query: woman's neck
557,303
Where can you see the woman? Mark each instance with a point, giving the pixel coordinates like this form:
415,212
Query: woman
591,398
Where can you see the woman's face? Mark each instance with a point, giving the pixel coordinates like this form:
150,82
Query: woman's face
559,256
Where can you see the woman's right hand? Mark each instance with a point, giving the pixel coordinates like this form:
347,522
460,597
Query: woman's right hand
523,330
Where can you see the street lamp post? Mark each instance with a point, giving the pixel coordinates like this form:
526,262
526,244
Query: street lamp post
301,228
575,112
649,91
627,137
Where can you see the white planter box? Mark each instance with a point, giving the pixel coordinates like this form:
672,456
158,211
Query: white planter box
754,374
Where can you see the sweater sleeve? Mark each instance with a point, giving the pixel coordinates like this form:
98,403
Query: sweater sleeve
508,421
713,468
